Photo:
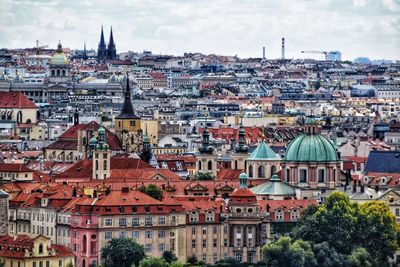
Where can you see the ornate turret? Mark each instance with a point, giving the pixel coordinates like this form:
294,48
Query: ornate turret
243,180
205,146
241,147
101,155
146,154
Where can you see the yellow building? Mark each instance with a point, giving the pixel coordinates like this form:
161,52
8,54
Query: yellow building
33,252
128,126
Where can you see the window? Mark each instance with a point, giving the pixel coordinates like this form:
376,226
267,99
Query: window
287,175
161,247
40,248
210,165
204,257
132,123
273,169
161,233
135,234
60,263
294,215
279,215
193,243
302,176
209,216
122,234
161,220
193,217
135,221
215,243
147,248
261,171
122,221
148,234
225,242
250,257
251,171
108,222
148,221
397,212
193,230
204,243
321,175
238,242
204,230
225,229
215,230
238,257
107,235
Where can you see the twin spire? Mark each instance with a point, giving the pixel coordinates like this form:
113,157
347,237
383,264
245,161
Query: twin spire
106,52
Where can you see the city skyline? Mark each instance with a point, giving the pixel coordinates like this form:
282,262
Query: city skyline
356,28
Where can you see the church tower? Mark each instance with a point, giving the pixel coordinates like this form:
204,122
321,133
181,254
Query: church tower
101,156
241,151
111,51
146,154
128,125
102,49
206,159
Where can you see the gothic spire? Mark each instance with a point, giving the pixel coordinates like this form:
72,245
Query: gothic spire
102,42
127,109
111,42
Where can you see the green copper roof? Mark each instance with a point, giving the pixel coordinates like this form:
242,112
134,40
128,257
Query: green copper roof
59,59
273,187
312,147
263,151
310,120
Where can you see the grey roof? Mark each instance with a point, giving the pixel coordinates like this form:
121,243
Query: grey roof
383,162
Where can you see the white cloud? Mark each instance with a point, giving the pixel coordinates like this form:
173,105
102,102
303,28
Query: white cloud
357,28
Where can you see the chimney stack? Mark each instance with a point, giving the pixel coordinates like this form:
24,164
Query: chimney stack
263,52
283,47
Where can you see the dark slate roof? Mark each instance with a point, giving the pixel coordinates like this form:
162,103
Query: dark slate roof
383,162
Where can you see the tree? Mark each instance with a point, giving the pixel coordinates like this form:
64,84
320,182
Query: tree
122,252
176,264
168,256
359,257
284,253
153,262
345,226
378,231
204,176
327,256
192,259
153,191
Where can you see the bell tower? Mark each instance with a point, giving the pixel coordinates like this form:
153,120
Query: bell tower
101,156
206,159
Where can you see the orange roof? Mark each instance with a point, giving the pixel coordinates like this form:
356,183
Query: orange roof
15,100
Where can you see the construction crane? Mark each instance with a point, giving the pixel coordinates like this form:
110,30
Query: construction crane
325,53
38,47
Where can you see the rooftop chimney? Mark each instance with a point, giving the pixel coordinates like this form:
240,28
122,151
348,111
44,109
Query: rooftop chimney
283,48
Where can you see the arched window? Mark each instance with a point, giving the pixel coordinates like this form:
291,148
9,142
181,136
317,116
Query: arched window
251,171
273,170
40,248
261,172
199,165
105,165
97,165
53,73
84,243
58,73
19,117
63,73
210,165
209,216
193,216
236,164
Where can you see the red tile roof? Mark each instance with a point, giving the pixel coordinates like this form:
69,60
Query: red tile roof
15,100
15,248
72,134
13,167
143,174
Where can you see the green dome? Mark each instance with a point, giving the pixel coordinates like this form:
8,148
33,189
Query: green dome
103,146
59,59
311,147
274,187
93,141
263,152
101,130
243,175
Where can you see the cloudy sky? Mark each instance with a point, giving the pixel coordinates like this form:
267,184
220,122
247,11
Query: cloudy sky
227,27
